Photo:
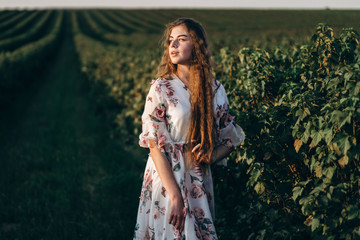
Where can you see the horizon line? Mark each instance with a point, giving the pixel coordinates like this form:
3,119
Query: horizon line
171,8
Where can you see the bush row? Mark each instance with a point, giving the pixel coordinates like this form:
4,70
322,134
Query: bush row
15,66
21,26
34,33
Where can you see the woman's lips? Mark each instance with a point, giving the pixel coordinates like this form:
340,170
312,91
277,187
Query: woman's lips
174,53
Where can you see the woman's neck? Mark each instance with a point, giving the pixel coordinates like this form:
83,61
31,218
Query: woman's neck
183,72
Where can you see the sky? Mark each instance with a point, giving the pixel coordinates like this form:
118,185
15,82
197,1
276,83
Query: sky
249,4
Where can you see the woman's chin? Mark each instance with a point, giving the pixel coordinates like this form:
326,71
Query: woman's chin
174,61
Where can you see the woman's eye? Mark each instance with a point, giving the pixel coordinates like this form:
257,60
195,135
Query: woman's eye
179,40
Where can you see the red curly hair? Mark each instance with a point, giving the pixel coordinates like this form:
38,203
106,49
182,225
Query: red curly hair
201,127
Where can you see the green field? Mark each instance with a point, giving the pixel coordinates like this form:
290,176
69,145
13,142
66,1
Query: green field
72,90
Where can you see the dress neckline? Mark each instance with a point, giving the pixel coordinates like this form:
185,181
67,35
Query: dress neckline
183,84
215,86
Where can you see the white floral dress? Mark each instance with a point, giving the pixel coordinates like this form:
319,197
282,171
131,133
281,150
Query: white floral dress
166,120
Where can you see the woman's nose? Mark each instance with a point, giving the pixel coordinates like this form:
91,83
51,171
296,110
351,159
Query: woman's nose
174,44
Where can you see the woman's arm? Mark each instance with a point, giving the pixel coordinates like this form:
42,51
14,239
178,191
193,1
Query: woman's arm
220,151
163,167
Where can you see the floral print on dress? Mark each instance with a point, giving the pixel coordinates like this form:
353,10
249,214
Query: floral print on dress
170,93
222,116
204,225
227,132
169,90
165,121
159,211
159,115
146,190
197,191
223,119
177,151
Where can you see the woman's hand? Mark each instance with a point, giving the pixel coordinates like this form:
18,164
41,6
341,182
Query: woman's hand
196,148
177,212
212,157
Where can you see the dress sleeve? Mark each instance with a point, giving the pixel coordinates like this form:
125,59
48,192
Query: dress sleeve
228,132
154,119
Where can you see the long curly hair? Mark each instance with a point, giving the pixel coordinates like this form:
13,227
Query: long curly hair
201,129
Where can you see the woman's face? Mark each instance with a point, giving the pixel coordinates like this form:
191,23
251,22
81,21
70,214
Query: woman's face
180,46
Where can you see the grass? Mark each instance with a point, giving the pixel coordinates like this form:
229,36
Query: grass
61,176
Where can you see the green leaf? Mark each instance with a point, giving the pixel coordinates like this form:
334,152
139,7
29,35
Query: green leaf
318,171
321,122
348,75
255,174
307,209
297,191
346,120
295,130
344,144
317,190
326,107
357,233
315,223
316,136
328,135
357,89
304,183
299,113
305,137
340,117
259,187
329,172
250,160
353,212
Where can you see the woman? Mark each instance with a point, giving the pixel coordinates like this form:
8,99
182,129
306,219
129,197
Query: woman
187,127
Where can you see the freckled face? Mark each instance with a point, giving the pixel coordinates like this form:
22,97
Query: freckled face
180,46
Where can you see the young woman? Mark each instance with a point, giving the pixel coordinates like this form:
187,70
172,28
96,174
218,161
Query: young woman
187,126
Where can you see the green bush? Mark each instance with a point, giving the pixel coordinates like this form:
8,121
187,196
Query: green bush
300,160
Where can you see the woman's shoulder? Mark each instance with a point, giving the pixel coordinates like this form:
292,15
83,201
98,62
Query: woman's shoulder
218,87
161,81
163,87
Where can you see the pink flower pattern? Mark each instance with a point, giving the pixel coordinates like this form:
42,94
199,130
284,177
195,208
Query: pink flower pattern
199,213
197,191
159,211
160,112
146,189
177,151
223,119
170,92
